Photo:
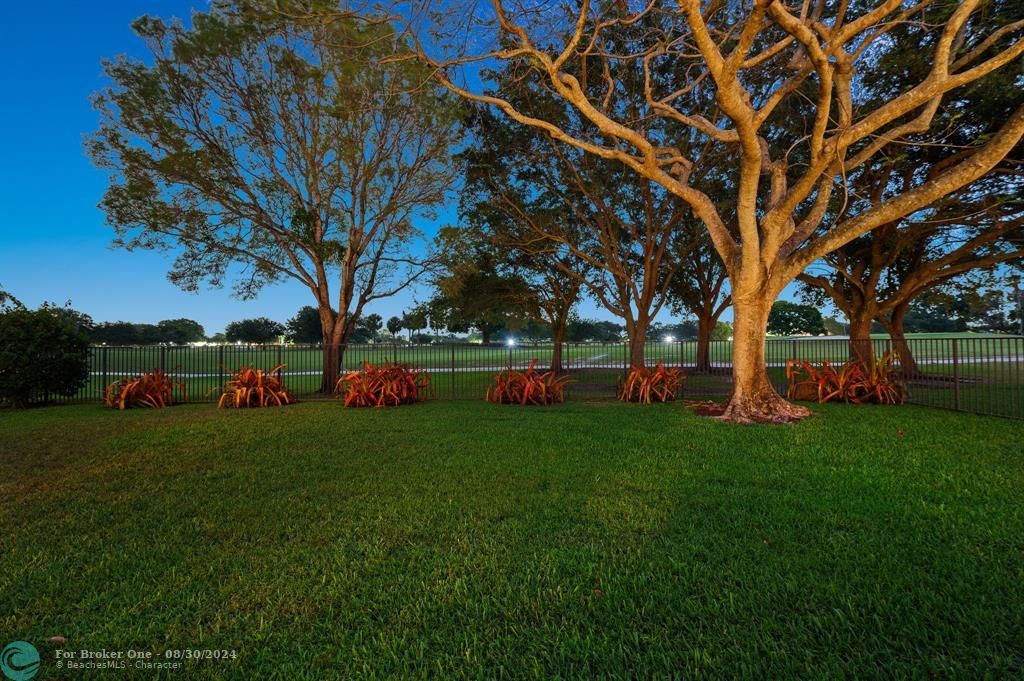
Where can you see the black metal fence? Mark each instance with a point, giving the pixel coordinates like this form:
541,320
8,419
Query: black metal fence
983,375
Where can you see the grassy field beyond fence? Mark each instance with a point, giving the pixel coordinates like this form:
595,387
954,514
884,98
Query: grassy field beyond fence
981,373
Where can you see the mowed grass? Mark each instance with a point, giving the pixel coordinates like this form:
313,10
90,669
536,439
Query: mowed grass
467,540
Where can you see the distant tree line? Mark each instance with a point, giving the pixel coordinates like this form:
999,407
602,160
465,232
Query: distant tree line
174,331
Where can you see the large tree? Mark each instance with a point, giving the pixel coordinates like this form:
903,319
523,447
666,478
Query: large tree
879,276
966,236
258,330
265,148
741,74
305,327
477,287
181,331
701,289
791,319
394,326
590,223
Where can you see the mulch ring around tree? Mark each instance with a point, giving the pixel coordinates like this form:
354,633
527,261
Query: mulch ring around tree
705,408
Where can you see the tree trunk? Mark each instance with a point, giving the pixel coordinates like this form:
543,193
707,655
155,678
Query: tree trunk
332,368
637,343
860,337
704,327
485,336
557,338
894,325
333,350
754,399
556,353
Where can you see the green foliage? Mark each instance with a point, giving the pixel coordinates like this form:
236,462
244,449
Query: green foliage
415,319
180,331
833,326
959,308
42,354
176,331
367,329
394,325
305,326
722,331
478,288
567,222
584,330
258,330
257,140
956,239
791,319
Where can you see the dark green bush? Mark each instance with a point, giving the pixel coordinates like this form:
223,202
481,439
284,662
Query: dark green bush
42,355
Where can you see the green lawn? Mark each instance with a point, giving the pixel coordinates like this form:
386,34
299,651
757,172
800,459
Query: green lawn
462,539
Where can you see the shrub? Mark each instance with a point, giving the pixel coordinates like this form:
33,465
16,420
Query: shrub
154,389
42,356
644,385
527,387
250,387
854,382
390,385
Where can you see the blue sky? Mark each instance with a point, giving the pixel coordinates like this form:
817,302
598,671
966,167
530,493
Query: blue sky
55,243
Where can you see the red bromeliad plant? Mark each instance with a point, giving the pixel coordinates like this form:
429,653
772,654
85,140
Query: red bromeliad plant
527,387
390,385
154,389
646,386
855,382
250,387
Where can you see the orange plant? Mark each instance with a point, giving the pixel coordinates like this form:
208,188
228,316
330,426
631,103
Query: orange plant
390,385
250,387
153,389
644,385
854,382
527,387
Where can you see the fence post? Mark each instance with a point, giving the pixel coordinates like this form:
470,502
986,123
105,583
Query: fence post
104,379
956,375
280,356
220,366
453,370
163,358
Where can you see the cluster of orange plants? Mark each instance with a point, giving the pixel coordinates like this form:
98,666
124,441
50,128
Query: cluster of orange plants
856,382
153,389
250,387
646,386
390,385
527,387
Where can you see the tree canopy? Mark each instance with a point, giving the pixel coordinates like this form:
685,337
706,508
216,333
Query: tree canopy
261,146
782,100
258,330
